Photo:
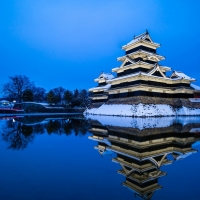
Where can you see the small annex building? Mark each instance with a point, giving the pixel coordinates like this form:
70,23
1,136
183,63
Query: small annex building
140,74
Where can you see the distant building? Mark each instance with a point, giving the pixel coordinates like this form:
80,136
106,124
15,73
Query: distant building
140,74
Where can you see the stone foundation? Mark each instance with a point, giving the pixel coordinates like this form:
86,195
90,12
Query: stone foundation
174,102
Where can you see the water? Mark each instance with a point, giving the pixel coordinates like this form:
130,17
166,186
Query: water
56,157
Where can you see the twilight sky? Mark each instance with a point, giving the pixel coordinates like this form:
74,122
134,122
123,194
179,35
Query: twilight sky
68,43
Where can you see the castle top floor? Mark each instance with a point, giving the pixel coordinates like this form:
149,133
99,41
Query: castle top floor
141,42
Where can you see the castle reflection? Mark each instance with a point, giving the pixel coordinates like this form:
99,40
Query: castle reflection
144,145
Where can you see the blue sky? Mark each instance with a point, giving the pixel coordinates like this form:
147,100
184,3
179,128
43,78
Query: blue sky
68,43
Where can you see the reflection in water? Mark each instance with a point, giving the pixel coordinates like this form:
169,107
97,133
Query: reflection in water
19,132
17,135
143,146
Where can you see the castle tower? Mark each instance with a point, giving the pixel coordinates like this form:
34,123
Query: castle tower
140,74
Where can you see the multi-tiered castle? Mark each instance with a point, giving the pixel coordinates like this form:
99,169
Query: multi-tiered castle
141,75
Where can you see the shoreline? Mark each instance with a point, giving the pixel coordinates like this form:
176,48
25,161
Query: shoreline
37,114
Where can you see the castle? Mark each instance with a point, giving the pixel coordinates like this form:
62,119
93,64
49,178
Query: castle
140,77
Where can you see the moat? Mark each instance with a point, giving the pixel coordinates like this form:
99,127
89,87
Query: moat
99,157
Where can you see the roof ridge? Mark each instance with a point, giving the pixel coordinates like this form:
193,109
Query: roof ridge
143,34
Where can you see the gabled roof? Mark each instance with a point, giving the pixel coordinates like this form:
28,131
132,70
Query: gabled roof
148,55
135,74
105,76
127,59
165,68
178,74
142,37
137,63
157,68
104,88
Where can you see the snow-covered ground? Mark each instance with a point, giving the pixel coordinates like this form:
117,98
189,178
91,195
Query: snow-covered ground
143,123
142,110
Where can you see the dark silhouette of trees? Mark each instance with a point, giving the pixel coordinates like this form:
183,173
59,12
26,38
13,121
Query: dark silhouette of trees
53,127
76,99
83,95
68,97
27,95
19,88
17,135
59,94
39,94
16,86
51,97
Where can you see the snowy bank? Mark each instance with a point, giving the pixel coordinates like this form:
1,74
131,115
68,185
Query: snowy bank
143,110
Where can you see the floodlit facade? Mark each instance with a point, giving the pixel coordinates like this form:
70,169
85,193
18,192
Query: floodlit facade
140,74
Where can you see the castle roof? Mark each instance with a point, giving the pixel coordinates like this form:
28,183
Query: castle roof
146,54
174,76
144,37
178,74
104,88
105,76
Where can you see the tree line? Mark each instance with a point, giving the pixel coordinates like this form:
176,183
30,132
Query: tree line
21,89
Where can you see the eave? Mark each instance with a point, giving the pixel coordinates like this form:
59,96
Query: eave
101,97
139,64
141,42
142,54
144,76
149,88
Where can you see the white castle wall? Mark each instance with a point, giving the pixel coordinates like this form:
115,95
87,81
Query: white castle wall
142,110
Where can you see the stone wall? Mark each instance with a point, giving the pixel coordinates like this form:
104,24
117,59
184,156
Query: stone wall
175,102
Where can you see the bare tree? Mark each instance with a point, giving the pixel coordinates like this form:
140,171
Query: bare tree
17,135
83,95
59,94
16,86
39,94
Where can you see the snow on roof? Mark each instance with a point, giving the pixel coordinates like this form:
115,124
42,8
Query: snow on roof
181,75
156,68
165,68
135,74
141,37
127,76
107,76
195,86
182,156
141,51
105,87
